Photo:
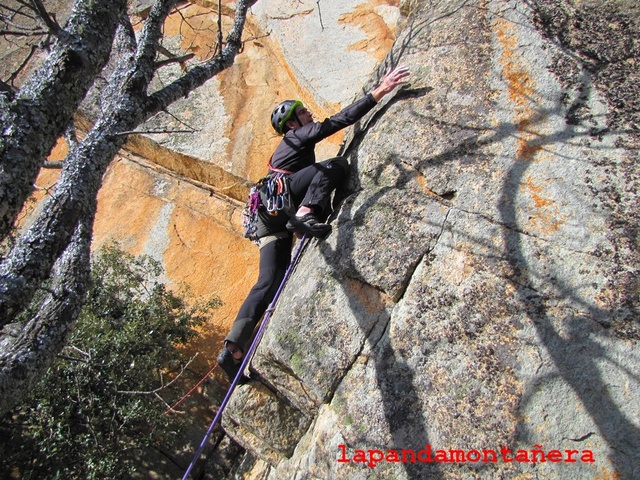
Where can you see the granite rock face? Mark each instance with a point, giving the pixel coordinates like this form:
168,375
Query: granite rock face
479,291
480,288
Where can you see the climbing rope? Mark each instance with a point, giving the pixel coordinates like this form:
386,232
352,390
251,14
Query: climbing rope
247,358
173,407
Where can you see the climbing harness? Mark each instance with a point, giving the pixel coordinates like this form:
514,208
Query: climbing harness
271,192
249,354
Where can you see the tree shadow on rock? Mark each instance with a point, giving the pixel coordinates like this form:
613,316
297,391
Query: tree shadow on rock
577,367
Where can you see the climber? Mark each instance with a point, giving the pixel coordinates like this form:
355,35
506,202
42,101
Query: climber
311,185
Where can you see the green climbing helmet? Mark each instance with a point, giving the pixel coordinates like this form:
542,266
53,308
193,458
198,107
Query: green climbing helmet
282,113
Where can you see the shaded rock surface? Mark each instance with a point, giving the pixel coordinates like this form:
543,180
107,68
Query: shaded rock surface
480,288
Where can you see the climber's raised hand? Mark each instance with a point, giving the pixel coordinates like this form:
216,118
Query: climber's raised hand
390,81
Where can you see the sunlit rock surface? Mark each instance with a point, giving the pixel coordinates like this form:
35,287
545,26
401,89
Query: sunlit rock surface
479,291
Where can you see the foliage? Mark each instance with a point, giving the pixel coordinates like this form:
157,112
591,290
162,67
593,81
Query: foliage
100,405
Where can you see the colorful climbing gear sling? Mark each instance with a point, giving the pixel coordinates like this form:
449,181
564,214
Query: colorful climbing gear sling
278,194
250,212
249,354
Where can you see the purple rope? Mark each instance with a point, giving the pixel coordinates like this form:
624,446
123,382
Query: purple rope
247,357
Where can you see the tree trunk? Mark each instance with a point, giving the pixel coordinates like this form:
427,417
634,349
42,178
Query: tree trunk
27,354
38,115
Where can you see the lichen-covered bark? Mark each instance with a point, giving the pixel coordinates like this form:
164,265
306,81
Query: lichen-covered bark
30,261
40,112
125,107
29,349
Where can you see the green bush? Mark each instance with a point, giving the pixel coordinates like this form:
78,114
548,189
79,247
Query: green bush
100,406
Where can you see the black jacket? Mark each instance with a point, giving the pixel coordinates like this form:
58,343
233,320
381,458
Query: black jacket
296,150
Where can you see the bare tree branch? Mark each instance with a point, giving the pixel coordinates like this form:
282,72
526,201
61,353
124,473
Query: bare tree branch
72,359
124,50
23,65
49,22
169,61
14,18
55,165
10,9
124,106
200,74
163,385
150,39
153,132
23,33
219,46
6,89
30,260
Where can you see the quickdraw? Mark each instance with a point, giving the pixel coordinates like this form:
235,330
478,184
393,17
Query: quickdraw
250,212
274,194
278,194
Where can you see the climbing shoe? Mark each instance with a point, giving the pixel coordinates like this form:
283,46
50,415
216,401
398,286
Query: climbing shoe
231,366
308,224
228,364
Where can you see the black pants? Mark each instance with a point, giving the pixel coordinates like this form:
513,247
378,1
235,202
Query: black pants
312,186
274,261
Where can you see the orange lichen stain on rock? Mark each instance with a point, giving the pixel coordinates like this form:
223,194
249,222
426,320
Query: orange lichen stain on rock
379,37
46,181
607,474
528,144
59,151
547,217
535,191
521,87
422,183
460,264
372,300
522,92
209,257
126,211
201,251
212,261
547,222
